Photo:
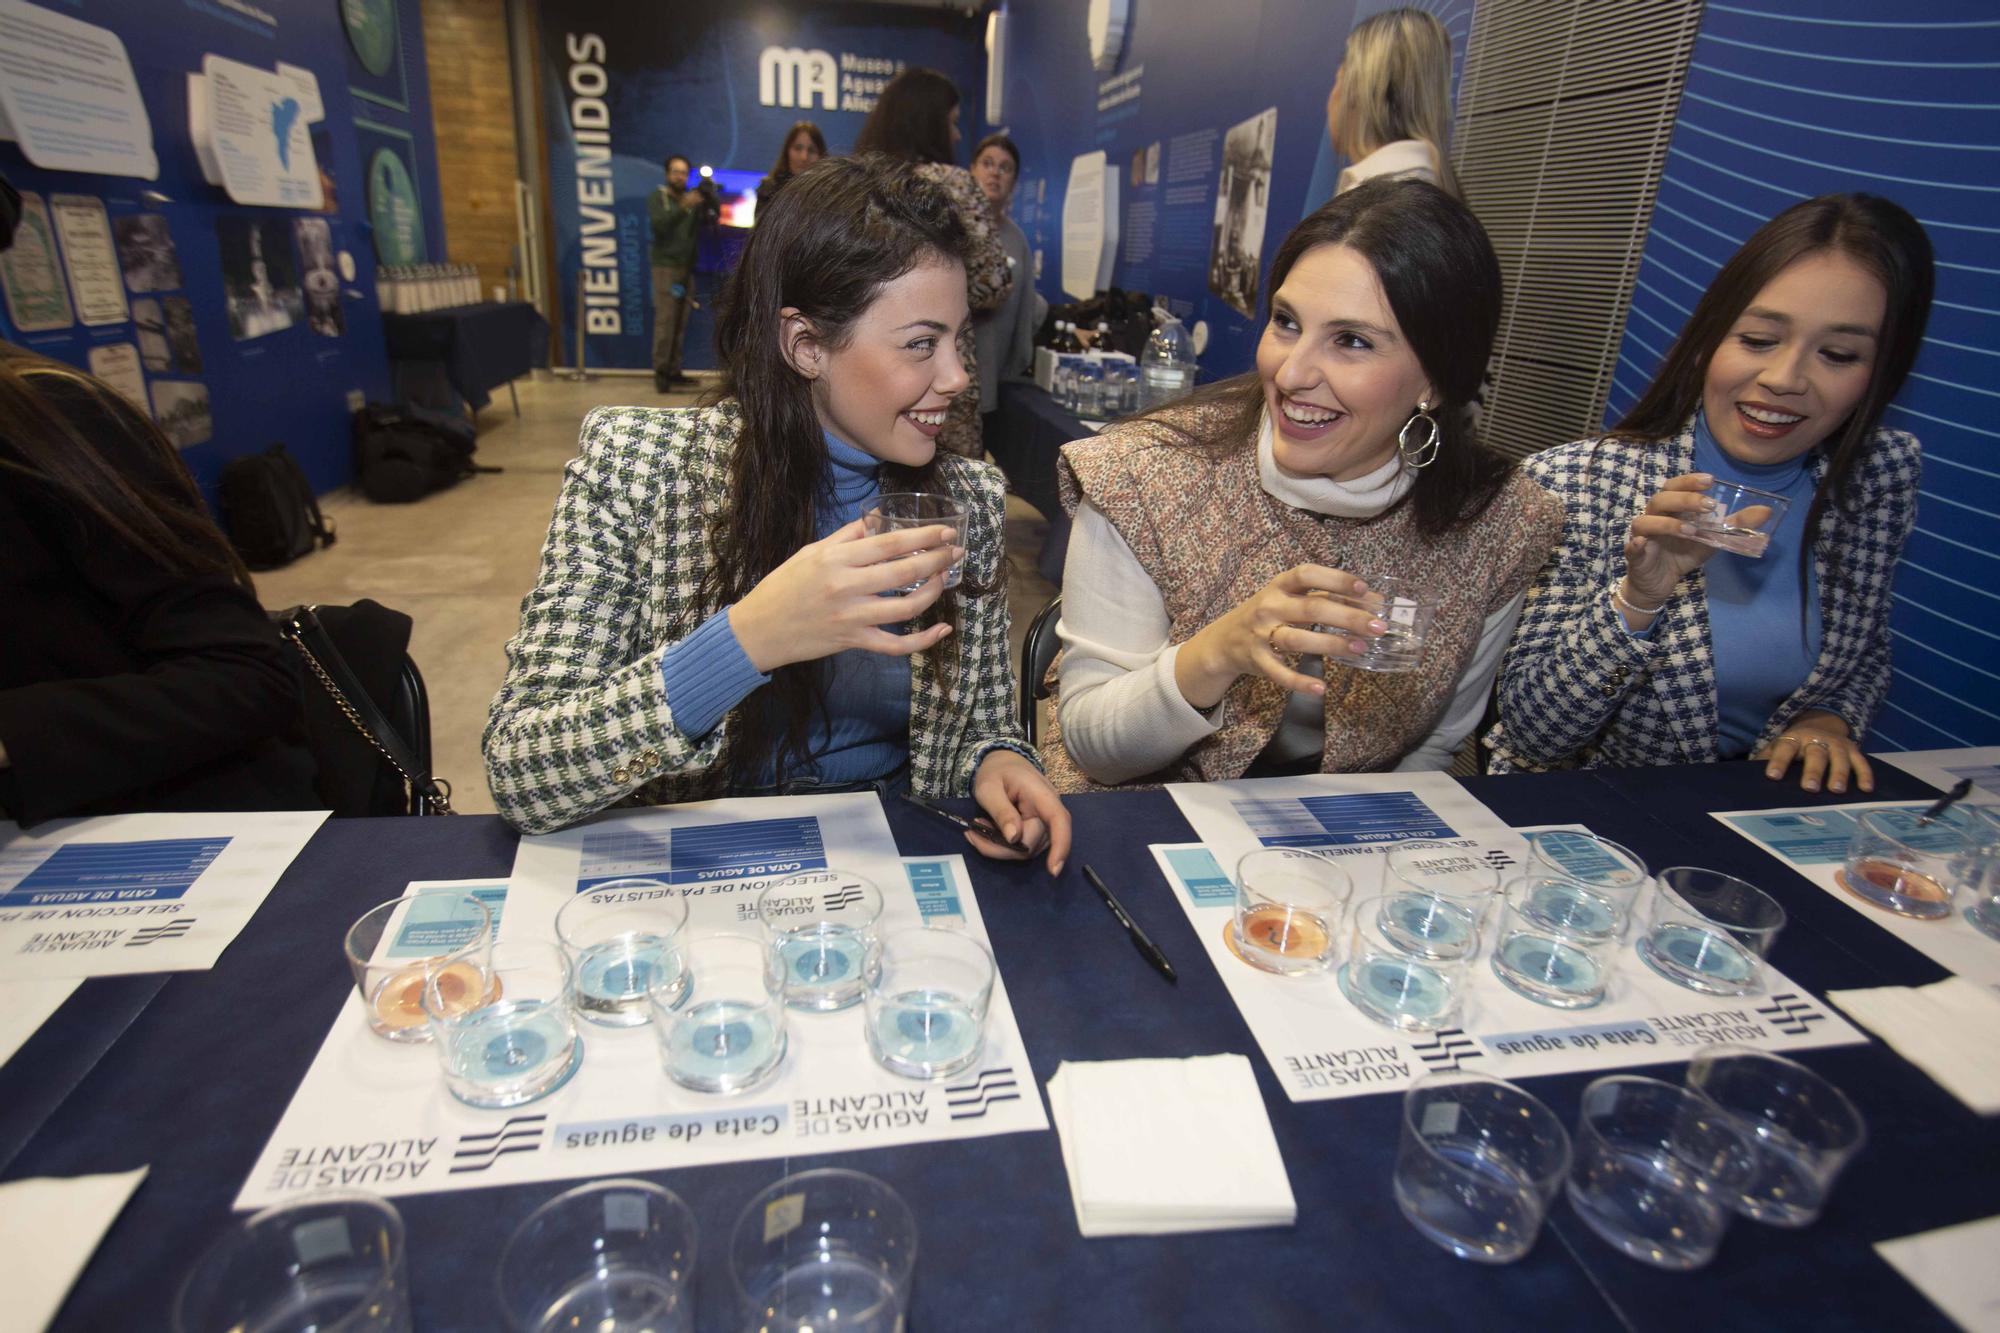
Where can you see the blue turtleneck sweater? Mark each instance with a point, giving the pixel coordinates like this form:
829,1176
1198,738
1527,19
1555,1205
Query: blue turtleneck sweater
866,735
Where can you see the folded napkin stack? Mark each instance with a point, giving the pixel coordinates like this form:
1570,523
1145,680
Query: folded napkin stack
1950,1030
1158,1146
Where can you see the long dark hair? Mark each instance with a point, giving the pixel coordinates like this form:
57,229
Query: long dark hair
1876,233
912,118
841,231
1438,270
783,171
39,399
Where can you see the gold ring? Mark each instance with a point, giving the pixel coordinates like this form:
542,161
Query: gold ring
1271,639
1821,744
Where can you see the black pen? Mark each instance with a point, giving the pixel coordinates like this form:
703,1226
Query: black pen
1946,801
979,824
1146,947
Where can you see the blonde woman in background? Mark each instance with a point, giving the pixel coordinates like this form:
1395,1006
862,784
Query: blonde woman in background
1389,112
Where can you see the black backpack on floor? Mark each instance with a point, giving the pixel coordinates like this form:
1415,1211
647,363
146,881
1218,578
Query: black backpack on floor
272,515
404,454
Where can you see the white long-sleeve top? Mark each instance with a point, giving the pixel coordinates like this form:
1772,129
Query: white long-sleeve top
1122,711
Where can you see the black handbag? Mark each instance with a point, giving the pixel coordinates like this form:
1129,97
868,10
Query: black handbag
354,713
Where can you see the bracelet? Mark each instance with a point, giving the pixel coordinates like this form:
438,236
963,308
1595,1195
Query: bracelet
1619,599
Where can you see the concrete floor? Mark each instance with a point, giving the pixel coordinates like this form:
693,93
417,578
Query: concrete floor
459,562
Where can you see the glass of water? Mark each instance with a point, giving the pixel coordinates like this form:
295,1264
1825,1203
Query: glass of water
1711,932
1583,884
395,945
1288,909
522,1042
1976,874
1396,985
323,1263
1896,863
1480,1162
729,1035
822,932
900,511
927,1002
1742,520
622,937
1437,896
615,1256
1406,607
1658,1169
1550,964
1805,1130
824,1252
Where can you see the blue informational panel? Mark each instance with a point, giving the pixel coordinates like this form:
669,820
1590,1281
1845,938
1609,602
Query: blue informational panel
721,83
1898,101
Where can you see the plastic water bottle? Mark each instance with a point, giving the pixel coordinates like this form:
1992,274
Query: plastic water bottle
1166,369
1090,391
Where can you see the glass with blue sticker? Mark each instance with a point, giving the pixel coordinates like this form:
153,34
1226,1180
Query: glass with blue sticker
728,1033
901,511
1436,897
821,929
622,938
926,1006
330,1262
614,1256
1711,932
1395,985
1546,963
1479,1164
522,1043
1582,884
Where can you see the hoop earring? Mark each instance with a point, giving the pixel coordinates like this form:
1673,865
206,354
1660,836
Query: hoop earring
1422,455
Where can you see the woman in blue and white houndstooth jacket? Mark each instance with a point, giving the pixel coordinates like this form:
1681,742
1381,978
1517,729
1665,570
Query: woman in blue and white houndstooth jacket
1638,645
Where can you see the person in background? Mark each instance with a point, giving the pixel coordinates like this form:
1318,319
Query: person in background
1640,645
804,145
712,617
1004,336
676,213
1198,643
916,120
1389,112
139,672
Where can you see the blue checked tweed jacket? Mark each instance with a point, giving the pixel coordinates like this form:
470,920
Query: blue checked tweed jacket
583,721
1577,690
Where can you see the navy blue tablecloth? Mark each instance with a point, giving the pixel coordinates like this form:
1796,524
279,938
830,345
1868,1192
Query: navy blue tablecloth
475,348
197,1083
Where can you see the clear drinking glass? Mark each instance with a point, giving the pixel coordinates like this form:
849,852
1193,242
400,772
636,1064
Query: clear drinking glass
1976,874
1895,863
522,1042
1406,607
1288,909
393,946
729,1035
1437,897
927,1003
824,1251
1394,985
1742,521
1547,963
1711,932
1480,1162
822,932
323,1263
1658,1169
622,937
615,1256
898,511
1803,1128
1582,884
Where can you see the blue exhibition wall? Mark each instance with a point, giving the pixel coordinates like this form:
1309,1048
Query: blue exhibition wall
239,383
719,82
1898,101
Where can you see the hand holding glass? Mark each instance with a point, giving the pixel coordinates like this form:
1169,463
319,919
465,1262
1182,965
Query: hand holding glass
1742,520
899,511
1406,607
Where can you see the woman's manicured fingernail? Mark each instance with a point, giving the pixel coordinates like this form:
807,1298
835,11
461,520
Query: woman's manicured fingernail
1380,627
1811,785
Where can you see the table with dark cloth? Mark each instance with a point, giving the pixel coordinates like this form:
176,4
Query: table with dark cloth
197,1082
469,350
1024,434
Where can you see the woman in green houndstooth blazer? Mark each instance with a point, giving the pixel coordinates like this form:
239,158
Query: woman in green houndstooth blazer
711,617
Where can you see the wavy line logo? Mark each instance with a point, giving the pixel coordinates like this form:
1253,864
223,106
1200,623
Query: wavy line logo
1448,1051
971,1099
841,899
478,1152
171,930
1792,1014
1500,858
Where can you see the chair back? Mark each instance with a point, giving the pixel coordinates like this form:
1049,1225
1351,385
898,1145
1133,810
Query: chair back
1038,654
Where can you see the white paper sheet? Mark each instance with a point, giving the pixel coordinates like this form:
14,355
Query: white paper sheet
94,276
1813,841
137,893
49,1228
117,364
1954,1268
257,126
70,96
1943,769
25,1006
376,1116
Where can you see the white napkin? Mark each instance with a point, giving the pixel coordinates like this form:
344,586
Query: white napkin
1159,1146
48,1231
25,1006
1954,1268
1950,1030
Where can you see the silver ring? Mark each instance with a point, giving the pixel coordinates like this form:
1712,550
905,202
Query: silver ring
1821,744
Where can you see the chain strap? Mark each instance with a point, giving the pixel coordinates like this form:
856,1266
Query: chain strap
438,798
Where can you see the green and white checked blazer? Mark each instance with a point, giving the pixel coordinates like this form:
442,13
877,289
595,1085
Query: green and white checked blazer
583,721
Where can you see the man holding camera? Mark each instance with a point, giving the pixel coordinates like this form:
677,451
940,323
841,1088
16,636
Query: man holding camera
676,213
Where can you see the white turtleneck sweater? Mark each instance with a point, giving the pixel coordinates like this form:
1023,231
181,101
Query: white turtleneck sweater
1123,714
